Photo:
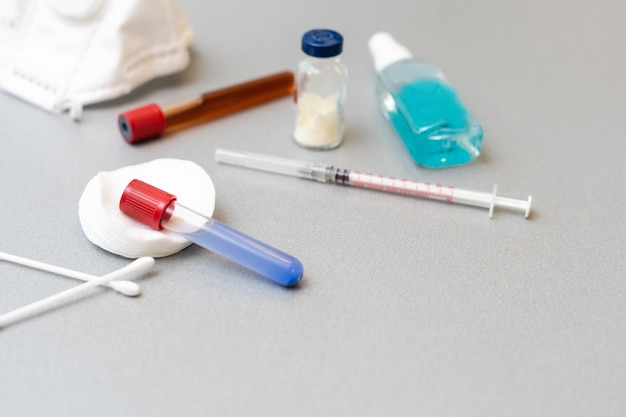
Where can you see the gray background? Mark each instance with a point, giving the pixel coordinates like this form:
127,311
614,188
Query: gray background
408,306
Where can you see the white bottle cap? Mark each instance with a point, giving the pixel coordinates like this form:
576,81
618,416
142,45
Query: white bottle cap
385,50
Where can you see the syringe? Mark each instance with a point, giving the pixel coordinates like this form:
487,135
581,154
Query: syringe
328,173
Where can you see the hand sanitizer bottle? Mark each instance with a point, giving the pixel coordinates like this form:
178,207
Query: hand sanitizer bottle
422,106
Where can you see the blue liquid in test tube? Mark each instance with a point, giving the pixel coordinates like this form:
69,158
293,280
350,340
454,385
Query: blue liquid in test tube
247,251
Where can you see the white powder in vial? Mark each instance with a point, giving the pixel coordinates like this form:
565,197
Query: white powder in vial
318,121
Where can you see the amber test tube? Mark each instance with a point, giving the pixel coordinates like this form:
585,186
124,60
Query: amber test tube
151,120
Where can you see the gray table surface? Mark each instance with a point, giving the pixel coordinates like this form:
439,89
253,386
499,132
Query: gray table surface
407,307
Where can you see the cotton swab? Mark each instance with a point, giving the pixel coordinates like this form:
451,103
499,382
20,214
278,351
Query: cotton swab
123,287
139,264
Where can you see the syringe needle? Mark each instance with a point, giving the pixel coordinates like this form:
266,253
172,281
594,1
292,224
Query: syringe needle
328,173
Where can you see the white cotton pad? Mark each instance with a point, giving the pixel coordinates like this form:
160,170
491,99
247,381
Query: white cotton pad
106,226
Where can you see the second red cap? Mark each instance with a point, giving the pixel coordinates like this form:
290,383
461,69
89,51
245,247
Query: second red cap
142,123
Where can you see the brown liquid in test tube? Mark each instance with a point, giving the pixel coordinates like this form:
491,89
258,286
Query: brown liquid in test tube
150,121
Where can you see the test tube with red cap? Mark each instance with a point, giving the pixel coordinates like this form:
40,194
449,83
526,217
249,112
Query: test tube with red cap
160,210
152,120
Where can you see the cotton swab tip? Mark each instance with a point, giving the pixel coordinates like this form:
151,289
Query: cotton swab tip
125,288
140,264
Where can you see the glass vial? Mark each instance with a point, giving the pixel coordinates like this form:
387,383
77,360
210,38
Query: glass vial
423,108
320,91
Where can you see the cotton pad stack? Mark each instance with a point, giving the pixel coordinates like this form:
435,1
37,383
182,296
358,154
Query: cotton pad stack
107,227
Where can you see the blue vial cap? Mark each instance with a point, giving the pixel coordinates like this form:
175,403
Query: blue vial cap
322,43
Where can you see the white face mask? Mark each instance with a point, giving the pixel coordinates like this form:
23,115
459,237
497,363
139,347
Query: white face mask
63,54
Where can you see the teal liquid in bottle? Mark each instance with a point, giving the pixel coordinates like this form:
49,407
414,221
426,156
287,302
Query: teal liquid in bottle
423,108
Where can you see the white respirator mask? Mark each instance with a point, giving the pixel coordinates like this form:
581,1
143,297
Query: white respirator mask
63,54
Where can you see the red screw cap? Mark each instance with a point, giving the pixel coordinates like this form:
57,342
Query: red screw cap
145,203
141,123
